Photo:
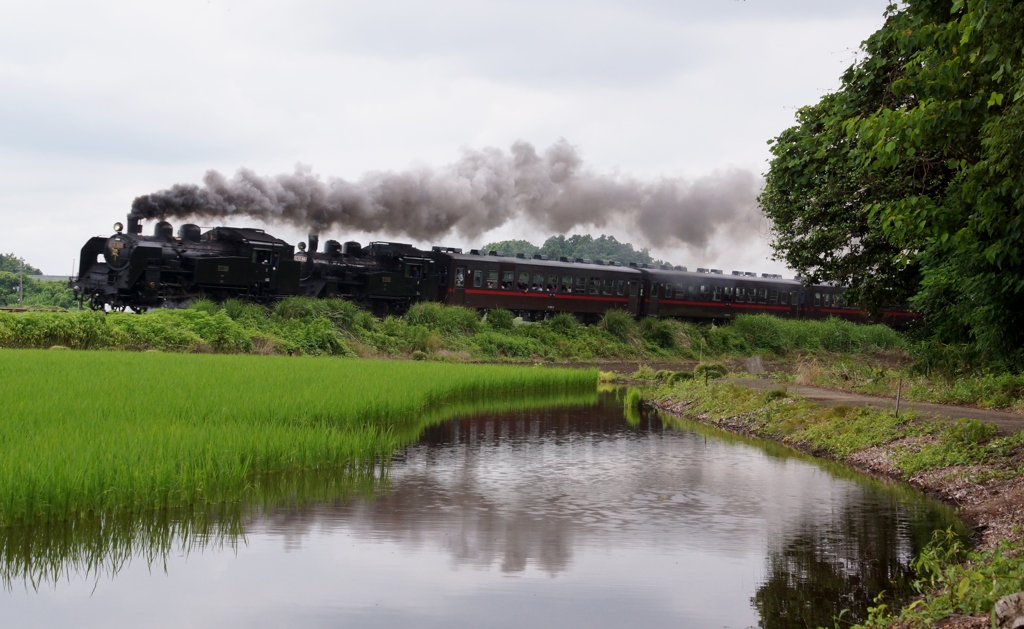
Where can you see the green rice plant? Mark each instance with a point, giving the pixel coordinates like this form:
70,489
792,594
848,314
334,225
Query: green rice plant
97,432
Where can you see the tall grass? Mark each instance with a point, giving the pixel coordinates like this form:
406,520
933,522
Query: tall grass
88,432
337,327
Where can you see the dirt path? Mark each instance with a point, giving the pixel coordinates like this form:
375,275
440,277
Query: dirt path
1006,422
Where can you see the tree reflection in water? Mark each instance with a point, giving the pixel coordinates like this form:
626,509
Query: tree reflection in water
545,485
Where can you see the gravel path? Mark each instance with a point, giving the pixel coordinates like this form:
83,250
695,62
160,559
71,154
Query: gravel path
1006,422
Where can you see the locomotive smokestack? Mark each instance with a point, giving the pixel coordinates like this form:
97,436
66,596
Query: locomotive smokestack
134,224
314,242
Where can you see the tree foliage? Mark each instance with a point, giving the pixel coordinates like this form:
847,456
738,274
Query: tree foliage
606,248
12,264
908,182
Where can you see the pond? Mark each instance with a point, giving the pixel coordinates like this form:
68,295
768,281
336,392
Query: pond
572,515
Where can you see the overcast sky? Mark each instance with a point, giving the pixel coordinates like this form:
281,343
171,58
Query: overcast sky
101,102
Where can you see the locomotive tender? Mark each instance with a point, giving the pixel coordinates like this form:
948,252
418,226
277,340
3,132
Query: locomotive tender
130,270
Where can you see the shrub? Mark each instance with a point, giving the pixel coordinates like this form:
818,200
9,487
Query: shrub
446,320
500,319
710,370
619,324
565,324
660,332
680,376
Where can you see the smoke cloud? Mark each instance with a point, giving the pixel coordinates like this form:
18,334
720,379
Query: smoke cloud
481,191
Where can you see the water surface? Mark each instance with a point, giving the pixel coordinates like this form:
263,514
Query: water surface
558,517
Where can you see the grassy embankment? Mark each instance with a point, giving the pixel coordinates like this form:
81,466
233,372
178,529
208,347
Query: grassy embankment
429,331
940,457
88,432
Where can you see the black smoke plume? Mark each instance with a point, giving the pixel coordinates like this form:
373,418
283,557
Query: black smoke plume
481,191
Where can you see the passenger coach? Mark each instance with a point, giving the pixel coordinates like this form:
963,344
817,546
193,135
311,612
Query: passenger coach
534,287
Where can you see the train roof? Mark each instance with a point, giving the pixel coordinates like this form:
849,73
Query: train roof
663,274
553,264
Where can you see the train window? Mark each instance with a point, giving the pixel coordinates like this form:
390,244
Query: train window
566,284
506,280
784,298
595,285
538,283
691,292
523,281
581,285
796,298
609,286
552,283
773,296
460,277
492,279
621,288
728,292
632,288
828,299
442,277
717,295
762,295
740,294
414,270
704,293
478,278
668,290
817,300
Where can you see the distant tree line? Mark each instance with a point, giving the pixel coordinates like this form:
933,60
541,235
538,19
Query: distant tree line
577,246
38,293
908,182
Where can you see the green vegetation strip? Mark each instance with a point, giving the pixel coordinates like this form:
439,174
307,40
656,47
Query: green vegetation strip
94,432
951,579
429,331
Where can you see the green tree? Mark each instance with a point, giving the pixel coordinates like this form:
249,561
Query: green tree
12,264
907,182
511,247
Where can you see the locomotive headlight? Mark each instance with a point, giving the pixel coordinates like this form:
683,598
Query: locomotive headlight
118,227
302,246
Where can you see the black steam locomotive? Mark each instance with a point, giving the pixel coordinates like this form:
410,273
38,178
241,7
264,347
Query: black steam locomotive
130,270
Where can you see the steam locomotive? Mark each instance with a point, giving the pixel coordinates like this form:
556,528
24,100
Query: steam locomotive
129,270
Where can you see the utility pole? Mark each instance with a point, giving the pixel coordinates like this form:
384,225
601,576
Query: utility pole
21,284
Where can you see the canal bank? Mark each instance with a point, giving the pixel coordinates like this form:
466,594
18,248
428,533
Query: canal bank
964,463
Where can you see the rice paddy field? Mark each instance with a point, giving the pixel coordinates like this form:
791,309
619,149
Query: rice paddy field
90,432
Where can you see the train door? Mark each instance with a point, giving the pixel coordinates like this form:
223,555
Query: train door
652,300
634,290
458,294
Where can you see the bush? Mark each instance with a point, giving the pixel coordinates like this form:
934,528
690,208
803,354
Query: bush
619,324
564,324
446,320
660,332
680,376
710,370
494,344
500,319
